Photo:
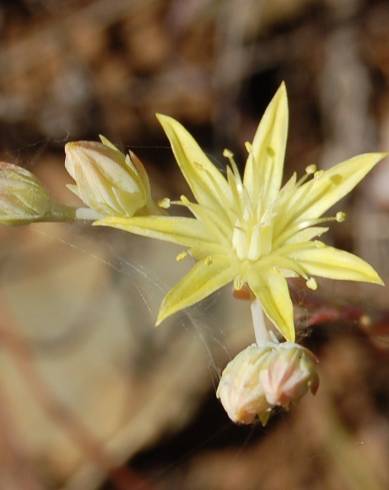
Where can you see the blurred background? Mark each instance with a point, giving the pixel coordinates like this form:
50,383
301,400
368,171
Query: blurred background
91,395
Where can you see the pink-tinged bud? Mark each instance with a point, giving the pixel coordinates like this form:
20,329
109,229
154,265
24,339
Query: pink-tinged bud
106,180
263,377
289,375
22,197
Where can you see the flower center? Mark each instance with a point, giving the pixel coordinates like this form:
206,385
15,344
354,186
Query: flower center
252,239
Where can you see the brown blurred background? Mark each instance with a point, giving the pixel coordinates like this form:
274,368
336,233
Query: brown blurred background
91,395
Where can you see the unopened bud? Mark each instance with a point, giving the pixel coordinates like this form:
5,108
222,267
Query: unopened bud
22,197
106,180
261,378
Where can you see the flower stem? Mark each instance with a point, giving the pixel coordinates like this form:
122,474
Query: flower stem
86,214
61,214
262,333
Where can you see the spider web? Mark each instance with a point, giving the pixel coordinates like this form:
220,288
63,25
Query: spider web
138,271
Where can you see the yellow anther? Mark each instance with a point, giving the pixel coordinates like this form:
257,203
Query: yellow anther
248,146
164,203
181,256
238,283
311,284
230,156
227,153
340,216
311,169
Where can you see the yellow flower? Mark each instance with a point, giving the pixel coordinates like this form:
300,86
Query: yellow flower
250,230
106,180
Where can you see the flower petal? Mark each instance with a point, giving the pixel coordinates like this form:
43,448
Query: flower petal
271,289
132,159
208,185
313,198
335,264
180,230
307,234
217,227
264,166
204,278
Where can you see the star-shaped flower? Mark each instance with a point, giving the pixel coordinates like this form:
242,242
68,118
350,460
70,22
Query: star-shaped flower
251,230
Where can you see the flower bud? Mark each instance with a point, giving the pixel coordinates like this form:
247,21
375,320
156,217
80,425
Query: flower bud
263,377
22,197
106,180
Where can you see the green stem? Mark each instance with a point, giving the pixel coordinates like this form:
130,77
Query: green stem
87,214
64,214
60,213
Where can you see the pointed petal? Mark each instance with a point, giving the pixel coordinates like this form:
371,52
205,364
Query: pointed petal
204,278
180,230
271,289
208,185
144,178
264,166
315,197
73,188
216,225
307,234
335,264
108,143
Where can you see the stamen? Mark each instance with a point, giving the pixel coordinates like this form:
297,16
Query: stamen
238,283
181,256
340,216
230,157
311,284
236,194
164,203
304,202
248,146
309,171
182,202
